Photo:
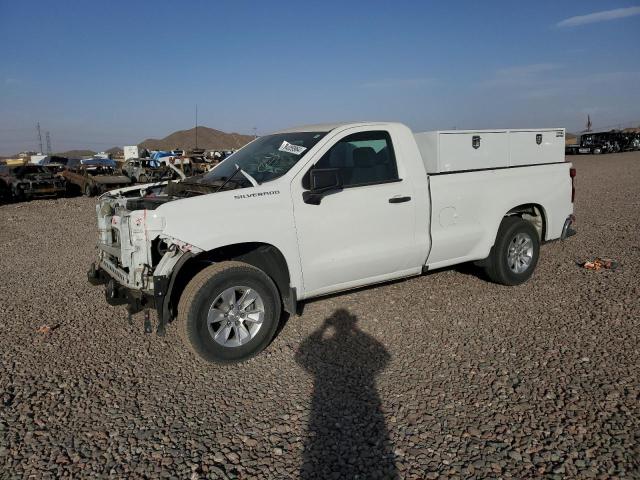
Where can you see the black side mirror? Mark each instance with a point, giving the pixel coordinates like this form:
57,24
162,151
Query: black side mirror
324,181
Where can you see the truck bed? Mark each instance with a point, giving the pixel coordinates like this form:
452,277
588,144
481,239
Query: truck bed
467,207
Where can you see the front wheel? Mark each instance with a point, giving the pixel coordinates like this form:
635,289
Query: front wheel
229,312
143,179
515,254
88,191
17,195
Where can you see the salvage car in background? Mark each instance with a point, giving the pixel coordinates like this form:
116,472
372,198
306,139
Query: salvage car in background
613,141
27,181
143,170
93,176
594,143
193,162
55,164
630,141
55,168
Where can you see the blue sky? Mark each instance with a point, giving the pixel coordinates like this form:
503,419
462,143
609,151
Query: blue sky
99,74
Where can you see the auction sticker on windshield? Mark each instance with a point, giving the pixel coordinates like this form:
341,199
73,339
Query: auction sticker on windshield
290,148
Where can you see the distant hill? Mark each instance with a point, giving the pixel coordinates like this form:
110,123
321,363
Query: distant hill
76,153
208,138
115,151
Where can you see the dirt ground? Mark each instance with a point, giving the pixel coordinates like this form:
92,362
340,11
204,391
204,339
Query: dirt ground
440,376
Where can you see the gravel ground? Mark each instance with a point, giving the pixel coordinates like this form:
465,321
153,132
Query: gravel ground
444,375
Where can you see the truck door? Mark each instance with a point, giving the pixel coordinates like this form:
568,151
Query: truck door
364,232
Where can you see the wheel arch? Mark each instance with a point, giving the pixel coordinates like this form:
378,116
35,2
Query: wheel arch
532,212
264,256
535,214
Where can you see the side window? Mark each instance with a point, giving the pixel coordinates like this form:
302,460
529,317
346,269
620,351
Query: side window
363,158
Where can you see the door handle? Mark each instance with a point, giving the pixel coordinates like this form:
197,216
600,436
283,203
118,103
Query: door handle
399,199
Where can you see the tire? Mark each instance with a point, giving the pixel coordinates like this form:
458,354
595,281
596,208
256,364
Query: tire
17,195
597,151
71,190
142,179
200,298
88,191
500,265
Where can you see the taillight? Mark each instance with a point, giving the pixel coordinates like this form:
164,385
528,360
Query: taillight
572,174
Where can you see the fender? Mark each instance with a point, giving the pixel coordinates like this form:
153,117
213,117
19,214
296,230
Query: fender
266,257
162,288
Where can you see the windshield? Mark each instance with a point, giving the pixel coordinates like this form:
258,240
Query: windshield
31,169
100,170
268,157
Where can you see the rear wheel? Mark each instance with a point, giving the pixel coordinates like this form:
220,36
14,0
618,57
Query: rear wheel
229,312
88,191
143,179
515,254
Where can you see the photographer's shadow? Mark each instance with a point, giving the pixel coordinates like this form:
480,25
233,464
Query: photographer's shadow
347,435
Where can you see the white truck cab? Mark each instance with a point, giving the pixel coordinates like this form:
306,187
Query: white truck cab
318,209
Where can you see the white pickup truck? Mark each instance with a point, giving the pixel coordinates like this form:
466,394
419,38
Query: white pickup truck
314,210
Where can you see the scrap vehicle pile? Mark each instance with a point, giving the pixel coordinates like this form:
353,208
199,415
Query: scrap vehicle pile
197,162
192,162
93,176
145,170
23,179
26,181
613,141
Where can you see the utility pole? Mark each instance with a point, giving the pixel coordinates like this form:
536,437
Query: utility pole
255,133
196,126
39,137
48,144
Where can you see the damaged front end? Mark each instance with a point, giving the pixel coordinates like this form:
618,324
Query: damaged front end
135,260
31,181
39,187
